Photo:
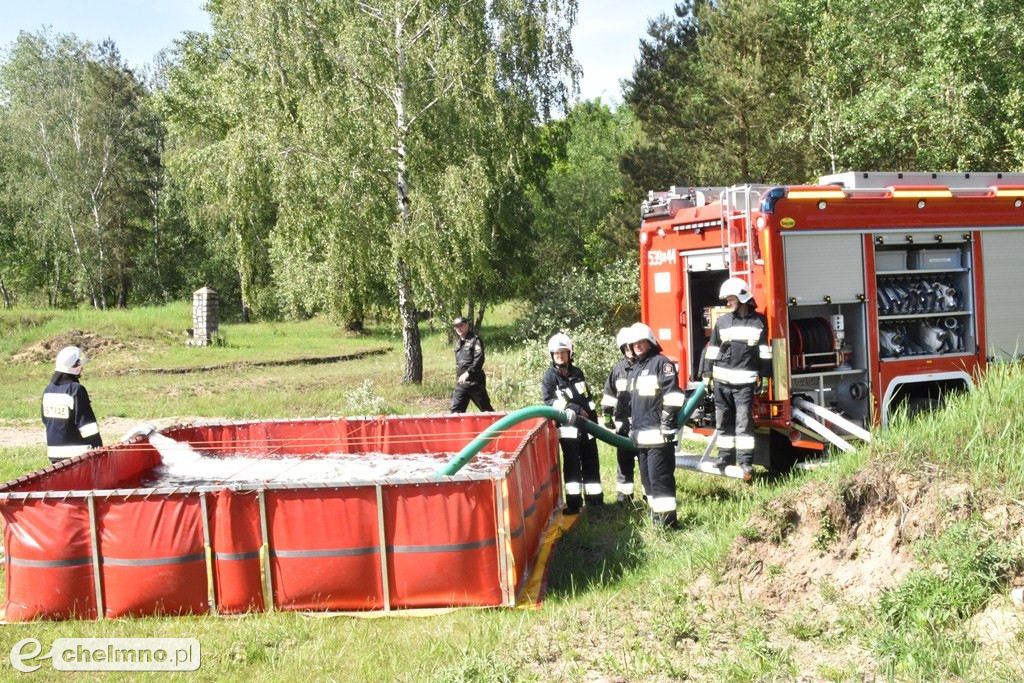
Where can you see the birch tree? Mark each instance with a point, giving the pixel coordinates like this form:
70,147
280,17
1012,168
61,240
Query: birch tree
406,120
74,118
422,74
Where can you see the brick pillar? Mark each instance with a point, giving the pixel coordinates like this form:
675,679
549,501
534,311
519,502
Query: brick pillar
205,316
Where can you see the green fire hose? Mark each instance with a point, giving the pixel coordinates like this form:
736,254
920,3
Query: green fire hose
515,417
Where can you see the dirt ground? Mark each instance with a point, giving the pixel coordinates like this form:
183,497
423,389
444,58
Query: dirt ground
15,433
806,558
46,350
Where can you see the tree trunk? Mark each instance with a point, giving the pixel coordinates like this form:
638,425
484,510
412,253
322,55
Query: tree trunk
413,372
123,285
93,299
480,316
5,293
354,324
55,298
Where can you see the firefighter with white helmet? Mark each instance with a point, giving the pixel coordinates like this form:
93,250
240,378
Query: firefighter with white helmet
564,387
738,360
654,402
71,427
615,406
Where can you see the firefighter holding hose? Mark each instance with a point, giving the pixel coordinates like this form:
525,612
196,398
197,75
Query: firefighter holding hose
564,387
654,402
71,427
737,361
616,415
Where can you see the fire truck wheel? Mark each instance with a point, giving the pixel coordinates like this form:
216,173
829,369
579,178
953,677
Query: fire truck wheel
782,454
918,405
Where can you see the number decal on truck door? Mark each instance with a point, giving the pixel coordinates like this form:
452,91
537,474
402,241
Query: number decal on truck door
657,258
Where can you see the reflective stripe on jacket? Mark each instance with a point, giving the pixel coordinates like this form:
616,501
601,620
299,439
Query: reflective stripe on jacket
71,427
568,391
738,352
615,388
654,399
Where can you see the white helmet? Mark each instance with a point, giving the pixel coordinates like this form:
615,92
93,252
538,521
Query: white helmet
623,338
560,342
640,331
736,287
70,360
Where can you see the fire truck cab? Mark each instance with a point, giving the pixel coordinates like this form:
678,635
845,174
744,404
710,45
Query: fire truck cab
881,290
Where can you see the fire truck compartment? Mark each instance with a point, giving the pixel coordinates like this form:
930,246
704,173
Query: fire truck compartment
926,309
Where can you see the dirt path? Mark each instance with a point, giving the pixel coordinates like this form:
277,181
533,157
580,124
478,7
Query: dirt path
15,433
315,360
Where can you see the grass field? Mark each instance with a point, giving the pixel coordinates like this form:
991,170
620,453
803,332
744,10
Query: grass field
624,603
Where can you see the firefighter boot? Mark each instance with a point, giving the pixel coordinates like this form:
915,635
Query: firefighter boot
573,503
665,521
722,462
594,499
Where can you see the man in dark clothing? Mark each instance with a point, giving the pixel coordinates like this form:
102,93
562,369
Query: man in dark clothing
71,427
616,415
655,400
737,360
564,387
470,381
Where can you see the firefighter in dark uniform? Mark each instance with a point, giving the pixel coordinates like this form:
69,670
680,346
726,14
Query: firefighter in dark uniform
616,415
654,402
71,427
470,381
564,387
738,361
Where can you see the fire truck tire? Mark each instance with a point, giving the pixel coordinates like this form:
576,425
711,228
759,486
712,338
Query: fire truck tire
782,455
919,405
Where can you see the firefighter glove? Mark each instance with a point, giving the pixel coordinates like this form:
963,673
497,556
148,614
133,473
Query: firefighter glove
570,416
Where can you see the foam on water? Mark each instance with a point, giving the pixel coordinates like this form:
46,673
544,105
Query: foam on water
186,466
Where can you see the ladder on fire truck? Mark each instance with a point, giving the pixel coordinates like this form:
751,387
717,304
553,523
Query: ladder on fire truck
739,248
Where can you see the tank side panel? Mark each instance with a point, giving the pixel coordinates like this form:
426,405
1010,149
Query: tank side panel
152,554
236,539
325,549
48,560
442,544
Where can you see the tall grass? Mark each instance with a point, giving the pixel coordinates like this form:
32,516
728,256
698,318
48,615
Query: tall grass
922,630
977,435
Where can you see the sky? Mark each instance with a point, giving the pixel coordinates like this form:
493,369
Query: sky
606,37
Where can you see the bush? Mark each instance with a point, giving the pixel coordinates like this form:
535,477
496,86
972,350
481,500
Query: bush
590,309
363,400
574,300
518,383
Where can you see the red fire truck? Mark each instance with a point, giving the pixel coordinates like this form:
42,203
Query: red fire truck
880,289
